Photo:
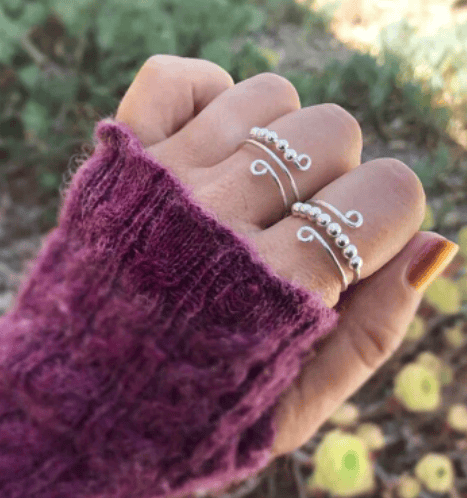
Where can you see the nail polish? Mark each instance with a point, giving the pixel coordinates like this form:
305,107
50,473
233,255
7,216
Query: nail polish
430,263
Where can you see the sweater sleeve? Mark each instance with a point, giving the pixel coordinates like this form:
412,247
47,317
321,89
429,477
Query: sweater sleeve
148,343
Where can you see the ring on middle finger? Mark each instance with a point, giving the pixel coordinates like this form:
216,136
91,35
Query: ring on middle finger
269,137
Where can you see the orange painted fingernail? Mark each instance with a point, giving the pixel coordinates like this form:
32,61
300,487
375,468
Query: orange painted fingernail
431,262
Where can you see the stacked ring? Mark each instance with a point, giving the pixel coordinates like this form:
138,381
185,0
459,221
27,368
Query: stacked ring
268,137
334,230
260,137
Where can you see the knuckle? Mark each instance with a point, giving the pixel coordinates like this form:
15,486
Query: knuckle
184,67
277,85
160,59
373,341
348,123
213,68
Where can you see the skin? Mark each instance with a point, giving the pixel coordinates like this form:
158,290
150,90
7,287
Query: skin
192,117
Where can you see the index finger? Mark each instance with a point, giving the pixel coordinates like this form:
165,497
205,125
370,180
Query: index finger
167,92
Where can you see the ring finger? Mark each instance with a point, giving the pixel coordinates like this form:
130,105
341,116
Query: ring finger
391,200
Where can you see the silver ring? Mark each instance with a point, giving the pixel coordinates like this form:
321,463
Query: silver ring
309,238
334,230
271,137
267,167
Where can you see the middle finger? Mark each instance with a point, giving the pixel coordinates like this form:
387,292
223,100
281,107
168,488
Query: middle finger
327,133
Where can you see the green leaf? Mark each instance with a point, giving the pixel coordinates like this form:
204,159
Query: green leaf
7,50
29,75
258,18
58,89
77,14
35,117
108,26
49,181
220,52
12,5
34,13
10,30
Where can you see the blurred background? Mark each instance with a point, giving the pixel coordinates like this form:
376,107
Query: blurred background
399,67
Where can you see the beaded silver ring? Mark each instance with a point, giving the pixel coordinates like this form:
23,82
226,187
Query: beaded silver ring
258,135
334,230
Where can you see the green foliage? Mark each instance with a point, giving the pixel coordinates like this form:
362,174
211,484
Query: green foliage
375,87
438,59
435,166
72,61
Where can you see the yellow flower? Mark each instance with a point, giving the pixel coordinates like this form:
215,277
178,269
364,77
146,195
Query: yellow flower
444,295
457,417
372,435
430,361
346,415
408,487
416,329
455,336
436,472
417,388
343,465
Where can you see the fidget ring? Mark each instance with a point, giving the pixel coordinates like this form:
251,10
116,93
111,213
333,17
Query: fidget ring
334,230
271,137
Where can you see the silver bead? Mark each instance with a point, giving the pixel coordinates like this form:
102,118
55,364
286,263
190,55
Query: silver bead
342,241
350,251
334,230
314,213
262,133
290,154
323,220
304,210
272,137
356,263
296,208
282,145
254,131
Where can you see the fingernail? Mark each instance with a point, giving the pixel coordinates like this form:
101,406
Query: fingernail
434,257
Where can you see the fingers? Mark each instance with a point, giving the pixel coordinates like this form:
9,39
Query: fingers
217,131
374,319
327,133
391,199
167,92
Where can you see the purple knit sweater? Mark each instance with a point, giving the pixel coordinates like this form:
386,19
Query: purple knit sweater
148,344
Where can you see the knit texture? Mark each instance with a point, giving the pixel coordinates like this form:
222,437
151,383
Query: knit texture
148,343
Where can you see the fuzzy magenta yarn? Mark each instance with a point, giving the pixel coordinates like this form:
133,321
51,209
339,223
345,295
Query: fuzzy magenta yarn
148,343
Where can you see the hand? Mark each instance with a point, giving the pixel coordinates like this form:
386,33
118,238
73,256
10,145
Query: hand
191,116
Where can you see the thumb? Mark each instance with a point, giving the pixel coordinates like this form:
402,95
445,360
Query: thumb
374,317
377,313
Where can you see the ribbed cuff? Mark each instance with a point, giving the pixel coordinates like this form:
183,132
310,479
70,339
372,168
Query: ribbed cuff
152,338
